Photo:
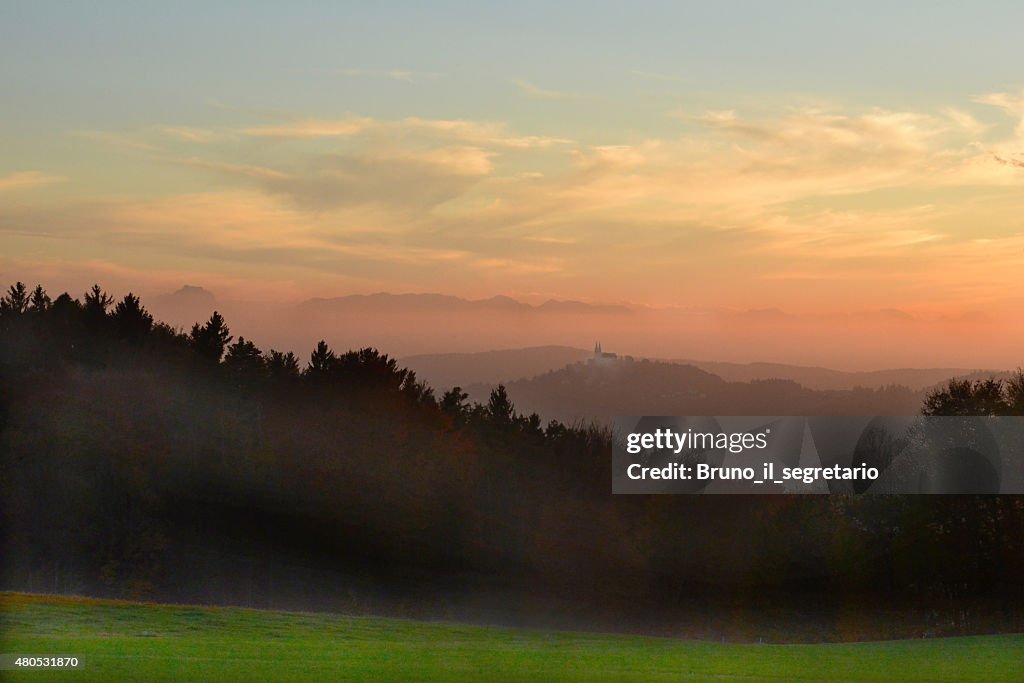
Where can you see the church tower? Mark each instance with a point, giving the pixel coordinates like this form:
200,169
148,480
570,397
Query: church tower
601,356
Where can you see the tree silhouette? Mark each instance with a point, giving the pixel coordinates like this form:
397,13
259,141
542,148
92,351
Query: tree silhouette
95,304
453,403
500,408
321,362
962,397
15,302
415,390
369,370
131,320
210,340
282,365
39,302
244,357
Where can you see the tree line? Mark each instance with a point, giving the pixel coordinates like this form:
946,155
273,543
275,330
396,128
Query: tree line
990,396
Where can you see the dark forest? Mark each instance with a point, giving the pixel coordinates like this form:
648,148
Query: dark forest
146,462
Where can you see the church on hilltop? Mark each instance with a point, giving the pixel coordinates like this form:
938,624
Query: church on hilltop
602,357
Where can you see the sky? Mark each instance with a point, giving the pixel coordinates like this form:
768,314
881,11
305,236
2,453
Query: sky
817,158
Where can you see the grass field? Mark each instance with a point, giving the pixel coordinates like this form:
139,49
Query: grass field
122,641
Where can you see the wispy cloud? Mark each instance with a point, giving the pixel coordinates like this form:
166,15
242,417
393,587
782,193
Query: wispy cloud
246,170
882,130
186,133
965,121
405,75
413,180
312,128
535,92
829,192
1009,101
472,132
482,133
124,140
1009,162
1011,104
26,180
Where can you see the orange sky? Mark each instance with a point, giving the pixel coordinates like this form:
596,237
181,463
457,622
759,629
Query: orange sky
682,179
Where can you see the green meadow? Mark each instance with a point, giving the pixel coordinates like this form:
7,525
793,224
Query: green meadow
150,642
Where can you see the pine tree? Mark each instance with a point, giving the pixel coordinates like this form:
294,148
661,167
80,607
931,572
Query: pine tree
40,300
15,302
131,319
210,340
322,361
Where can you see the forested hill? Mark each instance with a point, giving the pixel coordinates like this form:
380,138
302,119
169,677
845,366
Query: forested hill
143,461
585,392
492,367
137,460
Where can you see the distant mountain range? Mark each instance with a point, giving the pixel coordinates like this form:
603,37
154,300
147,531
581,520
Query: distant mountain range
398,324
384,302
192,304
445,370
441,337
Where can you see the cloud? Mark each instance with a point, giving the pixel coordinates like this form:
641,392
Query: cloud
536,92
737,200
475,132
1009,162
245,235
965,121
186,133
150,138
405,183
878,130
27,180
1003,100
404,75
313,128
481,133
123,140
1010,103
411,180
742,176
246,170
461,160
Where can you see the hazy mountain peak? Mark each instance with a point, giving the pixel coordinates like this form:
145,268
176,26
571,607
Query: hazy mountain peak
194,293
189,304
